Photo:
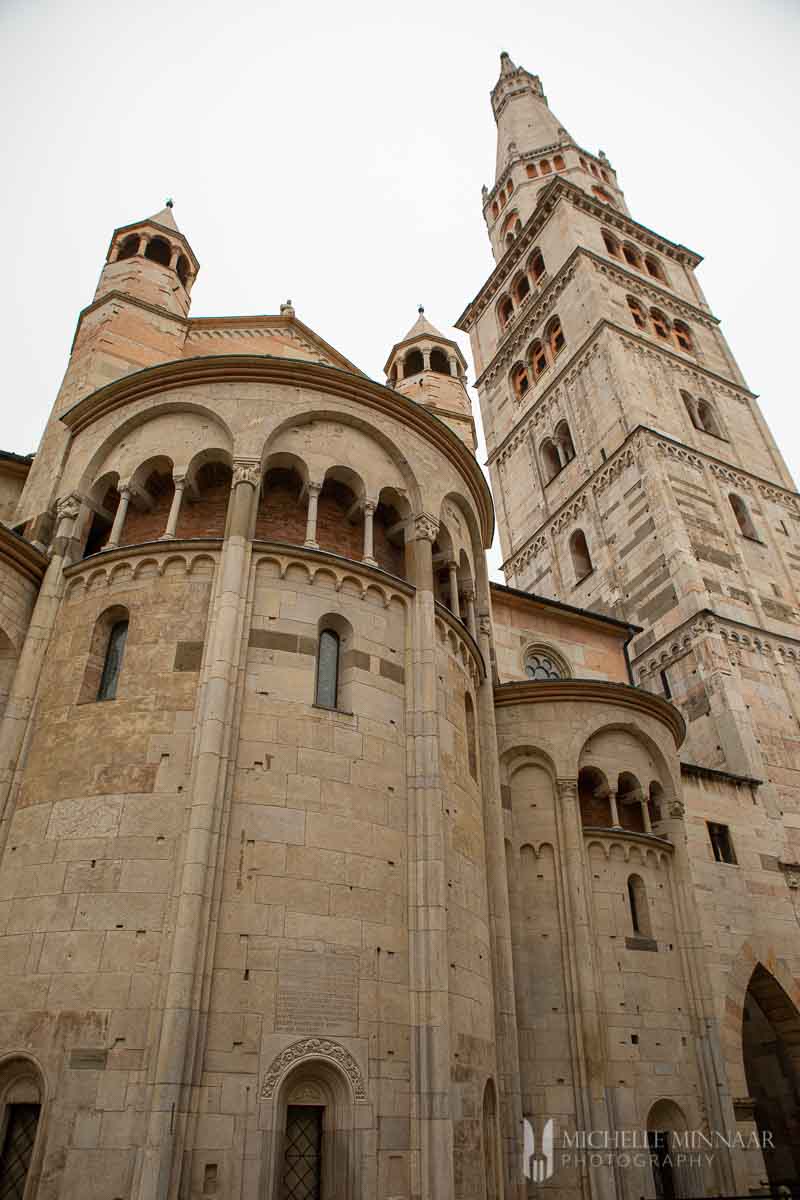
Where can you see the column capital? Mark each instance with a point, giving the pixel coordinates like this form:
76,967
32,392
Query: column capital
675,807
68,507
567,788
425,528
246,470
314,486
369,506
180,481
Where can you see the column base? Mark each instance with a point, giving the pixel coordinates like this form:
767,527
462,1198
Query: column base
311,545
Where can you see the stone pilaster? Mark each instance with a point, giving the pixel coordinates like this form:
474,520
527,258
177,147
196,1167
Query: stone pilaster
161,1160
427,918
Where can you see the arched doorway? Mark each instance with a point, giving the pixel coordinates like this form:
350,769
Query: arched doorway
315,1158
771,1051
674,1173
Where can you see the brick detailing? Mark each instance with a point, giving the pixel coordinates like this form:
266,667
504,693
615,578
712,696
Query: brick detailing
292,643
282,516
206,516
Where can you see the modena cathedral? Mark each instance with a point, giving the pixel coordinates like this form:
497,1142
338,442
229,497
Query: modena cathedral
332,870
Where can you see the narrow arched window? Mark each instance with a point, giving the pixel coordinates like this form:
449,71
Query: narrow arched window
158,251
632,256
183,270
581,559
472,750
564,439
637,904
537,267
594,170
538,359
691,408
112,666
522,288
510,186
637,312
653,267
530,171
519,381
707,419
558,162
602,195
555,336
327,693
660,323
439,362
551,462
129,247
495,209
743,518
544,167
414,363
611,244
682,336
506,310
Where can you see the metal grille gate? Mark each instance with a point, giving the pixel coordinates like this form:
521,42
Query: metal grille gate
302,1159
17,1149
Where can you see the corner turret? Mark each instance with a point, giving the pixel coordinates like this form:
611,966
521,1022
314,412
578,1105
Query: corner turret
430,369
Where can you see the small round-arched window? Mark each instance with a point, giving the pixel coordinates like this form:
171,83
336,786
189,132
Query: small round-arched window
541,665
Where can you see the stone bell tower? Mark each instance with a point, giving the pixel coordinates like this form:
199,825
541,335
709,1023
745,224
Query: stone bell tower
632,469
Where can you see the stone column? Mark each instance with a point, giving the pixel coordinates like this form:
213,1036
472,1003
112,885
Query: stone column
143,240
612,800
452,569
648,825
471,622
583,987
22,693
426,360
427,916
175,508
505,1007
369,516
119,517
182,1017
313,490
173,258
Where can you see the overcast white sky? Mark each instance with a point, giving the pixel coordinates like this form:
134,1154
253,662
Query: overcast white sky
334,154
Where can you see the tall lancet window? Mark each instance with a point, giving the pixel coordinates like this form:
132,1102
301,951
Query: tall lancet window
112,666
328,669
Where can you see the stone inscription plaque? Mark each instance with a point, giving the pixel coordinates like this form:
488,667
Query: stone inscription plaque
317,993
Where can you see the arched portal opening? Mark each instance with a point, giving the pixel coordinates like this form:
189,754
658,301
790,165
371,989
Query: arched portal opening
159,251
314,1118
675,1173
206,504
771,1051
282,510
151,489
21,1100
593,796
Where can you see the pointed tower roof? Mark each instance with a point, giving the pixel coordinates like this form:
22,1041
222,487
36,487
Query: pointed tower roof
422,327
423,330
165,217
524,121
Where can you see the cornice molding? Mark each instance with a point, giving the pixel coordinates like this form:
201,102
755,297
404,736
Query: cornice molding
573,366
247,368
594,691
737,636
625,456
21,556
545,205
510,349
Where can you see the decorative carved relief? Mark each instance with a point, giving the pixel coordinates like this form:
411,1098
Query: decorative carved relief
426,528
309,1049
246,472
